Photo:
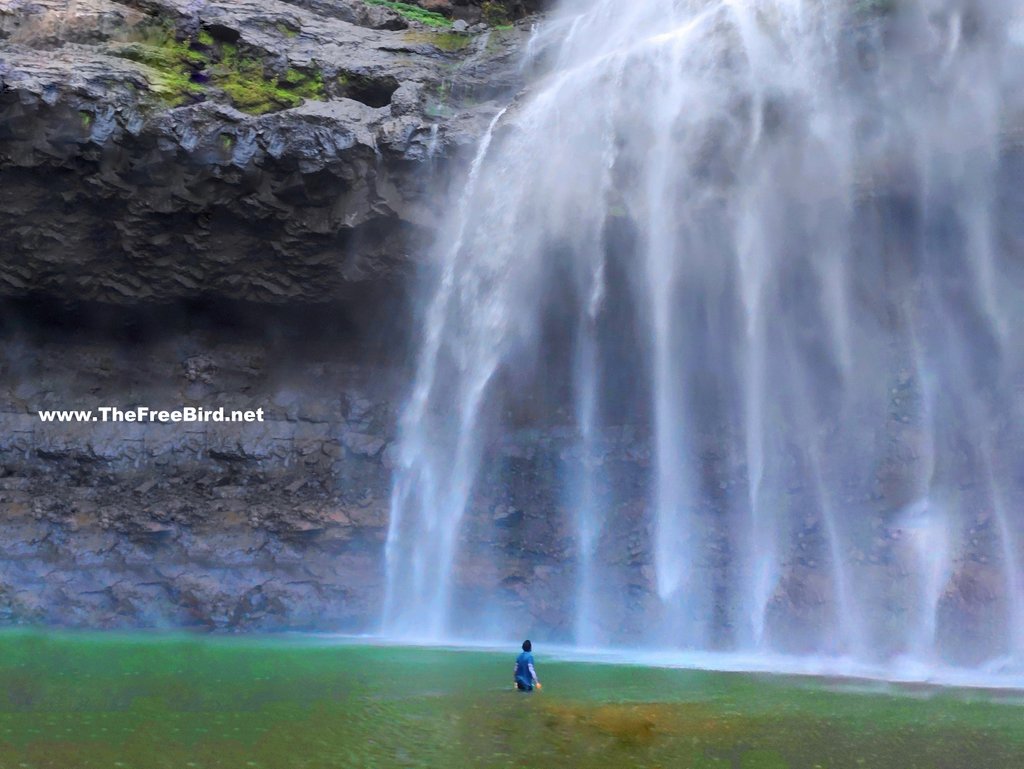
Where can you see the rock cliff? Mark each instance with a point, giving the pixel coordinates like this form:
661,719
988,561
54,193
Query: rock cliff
219,204
225,203
266,151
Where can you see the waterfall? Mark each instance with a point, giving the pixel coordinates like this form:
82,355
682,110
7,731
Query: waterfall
748,271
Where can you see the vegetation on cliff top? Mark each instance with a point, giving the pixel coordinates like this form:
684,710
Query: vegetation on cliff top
188,70
493,12
414,13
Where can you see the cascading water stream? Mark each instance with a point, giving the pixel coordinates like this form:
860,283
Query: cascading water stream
427,484
748,273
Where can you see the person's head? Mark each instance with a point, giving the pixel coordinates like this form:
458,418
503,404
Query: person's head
527,646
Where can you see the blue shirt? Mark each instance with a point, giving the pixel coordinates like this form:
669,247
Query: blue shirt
523,664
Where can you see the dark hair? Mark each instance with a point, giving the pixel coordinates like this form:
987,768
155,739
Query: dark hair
527,646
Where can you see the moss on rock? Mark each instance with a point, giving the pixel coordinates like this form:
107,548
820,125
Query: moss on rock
190,69
414,13
444,41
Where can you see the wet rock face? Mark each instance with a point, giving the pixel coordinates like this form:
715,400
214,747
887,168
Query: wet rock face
132,167
272,525
215,204
282,524
383,17
218,526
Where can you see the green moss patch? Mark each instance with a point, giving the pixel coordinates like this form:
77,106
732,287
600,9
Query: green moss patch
189,70
414,13
251,88
495,14
443,41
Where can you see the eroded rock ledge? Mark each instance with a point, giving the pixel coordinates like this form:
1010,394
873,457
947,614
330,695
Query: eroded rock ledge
132,169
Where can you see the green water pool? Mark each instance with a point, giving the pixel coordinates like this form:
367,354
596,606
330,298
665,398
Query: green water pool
144,702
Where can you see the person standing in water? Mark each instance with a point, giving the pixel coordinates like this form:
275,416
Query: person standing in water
525,675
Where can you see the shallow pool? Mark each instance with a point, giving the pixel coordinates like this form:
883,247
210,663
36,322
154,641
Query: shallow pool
144,701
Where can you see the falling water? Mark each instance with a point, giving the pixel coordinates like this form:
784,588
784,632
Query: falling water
432,488
775,241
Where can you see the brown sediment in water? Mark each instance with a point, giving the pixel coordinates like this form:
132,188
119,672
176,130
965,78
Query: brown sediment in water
639,723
